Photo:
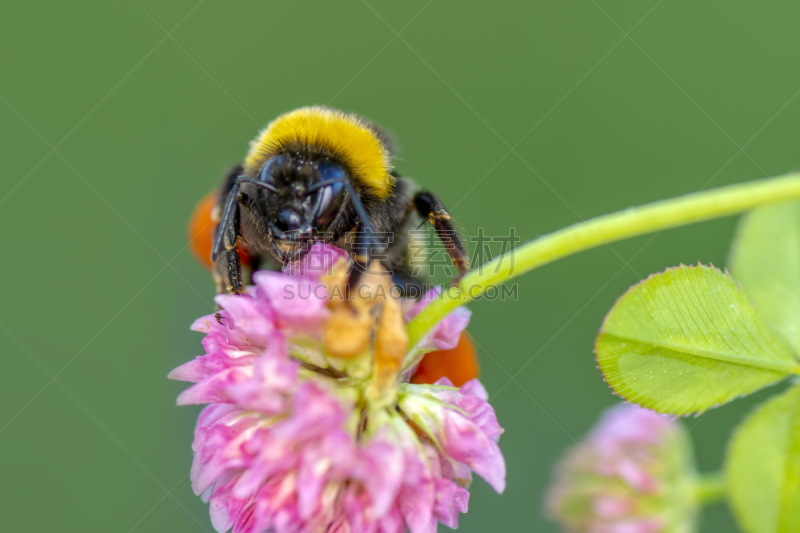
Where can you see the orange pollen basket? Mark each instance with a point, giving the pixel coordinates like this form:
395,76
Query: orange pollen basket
459,364
201,230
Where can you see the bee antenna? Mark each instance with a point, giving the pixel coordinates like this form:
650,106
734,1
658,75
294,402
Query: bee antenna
366,225
324,183
361,212
261,184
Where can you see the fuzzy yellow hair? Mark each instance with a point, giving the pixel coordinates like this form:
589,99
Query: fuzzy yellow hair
347,136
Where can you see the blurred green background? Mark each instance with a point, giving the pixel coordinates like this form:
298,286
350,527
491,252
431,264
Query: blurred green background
118,116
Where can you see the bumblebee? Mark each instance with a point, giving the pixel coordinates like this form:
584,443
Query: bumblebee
317,175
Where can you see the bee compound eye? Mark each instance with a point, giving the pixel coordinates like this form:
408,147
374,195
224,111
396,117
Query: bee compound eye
331,171
329,201
266,173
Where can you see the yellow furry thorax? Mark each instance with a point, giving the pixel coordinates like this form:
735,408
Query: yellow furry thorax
347,136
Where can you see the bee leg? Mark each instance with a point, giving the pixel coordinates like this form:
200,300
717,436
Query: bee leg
228,273
234,281
366,241
408,284
431,208
365,245
228,265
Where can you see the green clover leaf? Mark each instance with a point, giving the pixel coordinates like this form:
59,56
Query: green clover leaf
762,468
766,261
687,340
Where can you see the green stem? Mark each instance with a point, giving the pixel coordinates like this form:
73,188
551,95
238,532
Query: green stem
605,229
709,488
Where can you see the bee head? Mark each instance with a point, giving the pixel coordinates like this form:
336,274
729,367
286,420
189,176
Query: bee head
309,195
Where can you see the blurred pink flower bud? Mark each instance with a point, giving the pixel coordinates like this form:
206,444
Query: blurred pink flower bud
633,473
